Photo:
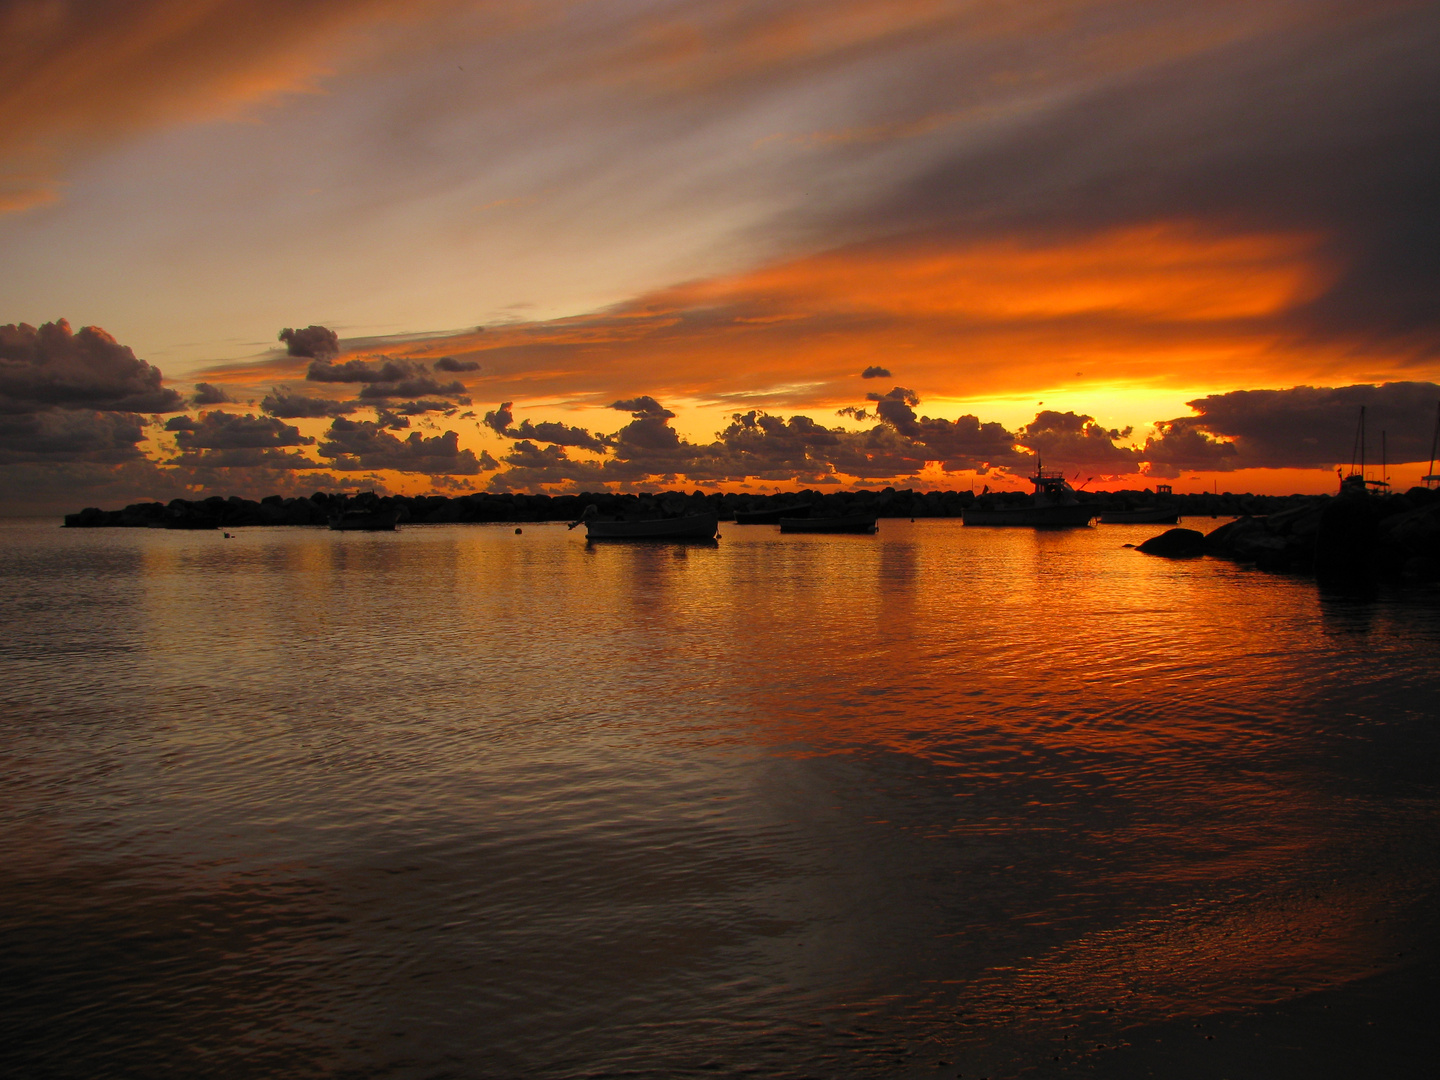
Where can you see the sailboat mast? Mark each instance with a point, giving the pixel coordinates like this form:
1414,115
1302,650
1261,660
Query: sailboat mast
1357,450
1434,446
1362,442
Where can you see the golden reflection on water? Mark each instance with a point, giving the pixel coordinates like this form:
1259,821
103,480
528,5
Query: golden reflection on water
974,786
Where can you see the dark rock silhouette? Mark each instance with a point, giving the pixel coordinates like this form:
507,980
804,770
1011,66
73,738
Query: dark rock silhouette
1175,543
1345,539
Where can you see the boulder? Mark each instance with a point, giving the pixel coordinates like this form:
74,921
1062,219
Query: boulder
1175,543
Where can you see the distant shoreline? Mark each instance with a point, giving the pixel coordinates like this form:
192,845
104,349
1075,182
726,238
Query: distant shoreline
235,512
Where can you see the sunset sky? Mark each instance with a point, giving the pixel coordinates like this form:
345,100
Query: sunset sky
739,245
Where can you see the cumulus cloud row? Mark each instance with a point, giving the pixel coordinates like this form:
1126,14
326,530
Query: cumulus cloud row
64,395
385,378
1302,427
502,422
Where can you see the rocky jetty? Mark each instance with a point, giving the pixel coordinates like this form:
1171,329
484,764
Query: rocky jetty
235,512
1335,538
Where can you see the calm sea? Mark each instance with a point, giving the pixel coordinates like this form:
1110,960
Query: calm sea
454,801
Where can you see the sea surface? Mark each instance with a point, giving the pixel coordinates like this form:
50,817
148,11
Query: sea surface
467,801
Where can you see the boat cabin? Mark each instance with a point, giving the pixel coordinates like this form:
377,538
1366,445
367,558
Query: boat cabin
1052,489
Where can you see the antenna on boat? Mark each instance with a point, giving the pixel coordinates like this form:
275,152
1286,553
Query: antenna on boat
1357,452
1430,479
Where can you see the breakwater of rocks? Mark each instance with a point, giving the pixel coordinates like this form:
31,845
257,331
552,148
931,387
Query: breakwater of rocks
1344,537
316,509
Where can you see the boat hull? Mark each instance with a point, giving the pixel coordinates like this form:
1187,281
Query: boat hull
696,527
1152,515
770,517
364,521
1031,515
851,523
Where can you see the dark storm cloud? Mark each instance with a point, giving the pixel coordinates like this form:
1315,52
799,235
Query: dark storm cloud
967,443
449,363
391,421
531,466
1183,445
411,388
243,458
288,405
875,372
642,407
384,370
646,434
1075,439
70,435
316,342
1329,126
650,431
228,431
180,423
420,408
502,422
1304,427
361,445
208,394
897,409
52,367
384,379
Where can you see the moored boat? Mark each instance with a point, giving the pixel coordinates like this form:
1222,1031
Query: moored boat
848,523
771,517
364,521
693,527
1155,514
1141,515
1054,503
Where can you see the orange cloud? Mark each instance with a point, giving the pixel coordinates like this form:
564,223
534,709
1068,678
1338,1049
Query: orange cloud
1169,303
1165,271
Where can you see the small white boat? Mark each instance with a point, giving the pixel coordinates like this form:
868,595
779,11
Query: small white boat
694,527
1054,503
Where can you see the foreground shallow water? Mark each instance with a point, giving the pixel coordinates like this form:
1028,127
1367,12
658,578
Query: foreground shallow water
454,801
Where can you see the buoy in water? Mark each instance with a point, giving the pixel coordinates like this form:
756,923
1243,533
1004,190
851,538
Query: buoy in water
517,532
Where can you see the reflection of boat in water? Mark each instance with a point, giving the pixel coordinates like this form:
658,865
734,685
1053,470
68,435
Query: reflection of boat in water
1144,515
364,521
849,523
694,527
771,517
1054,503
